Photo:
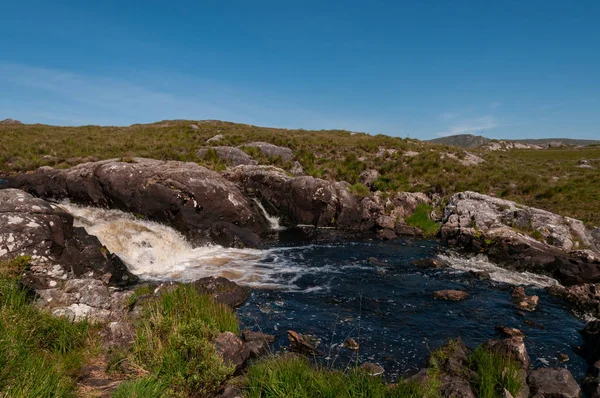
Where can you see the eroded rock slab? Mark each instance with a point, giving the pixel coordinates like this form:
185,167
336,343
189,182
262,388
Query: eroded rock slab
198,202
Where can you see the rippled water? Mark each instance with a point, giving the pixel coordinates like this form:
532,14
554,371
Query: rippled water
334,291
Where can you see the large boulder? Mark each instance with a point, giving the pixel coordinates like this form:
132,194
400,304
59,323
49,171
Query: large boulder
522,237
553,383
222,290
230,155
198,202
32,227
302,200
271,150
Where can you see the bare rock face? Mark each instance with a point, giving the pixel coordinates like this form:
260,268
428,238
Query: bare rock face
230,155
194,200
513,347
522,237
368,177
270,150
555,383
302,200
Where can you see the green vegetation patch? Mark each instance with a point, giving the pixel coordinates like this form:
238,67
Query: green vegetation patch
294,377
40,355
420,219
494,373
173,345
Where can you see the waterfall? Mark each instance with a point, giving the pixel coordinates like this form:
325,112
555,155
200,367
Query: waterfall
273,220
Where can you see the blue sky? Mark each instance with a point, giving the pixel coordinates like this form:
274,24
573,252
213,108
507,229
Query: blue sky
423,68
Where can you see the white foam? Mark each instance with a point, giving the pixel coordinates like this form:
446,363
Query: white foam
480,262
155,251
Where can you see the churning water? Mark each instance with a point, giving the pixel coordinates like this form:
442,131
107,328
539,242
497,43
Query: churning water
336,290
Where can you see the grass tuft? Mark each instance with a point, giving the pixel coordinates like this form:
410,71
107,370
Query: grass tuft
420,219
494,373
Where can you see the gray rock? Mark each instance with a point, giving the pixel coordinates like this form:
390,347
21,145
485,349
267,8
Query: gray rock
198,202
553,383
231,155
297,169
270,150
368,177
10,121
371,369
231,349
222,290
215,138
505,231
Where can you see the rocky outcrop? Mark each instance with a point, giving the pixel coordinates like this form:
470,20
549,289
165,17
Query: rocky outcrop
522,237
196,201
556,383
584,298
32,227
272,151
228,154
231,349
302,200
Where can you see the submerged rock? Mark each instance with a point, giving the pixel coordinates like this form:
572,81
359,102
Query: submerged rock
450,295
555,383
524,302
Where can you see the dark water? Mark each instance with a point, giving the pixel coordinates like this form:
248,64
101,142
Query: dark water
336,293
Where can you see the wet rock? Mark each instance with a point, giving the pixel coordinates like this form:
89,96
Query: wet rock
454,370
371,369
351,344
431,263
508,233
301,345
368,177
513,347
524,302
231,349
302,200
378,263
591,342
32,227
562,357
230,155
555,383
510,332
249,335
270,150
585,298
450,295
386,234
223,290
198,202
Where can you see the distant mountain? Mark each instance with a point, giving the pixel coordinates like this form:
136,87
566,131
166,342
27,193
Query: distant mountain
462,140
476,141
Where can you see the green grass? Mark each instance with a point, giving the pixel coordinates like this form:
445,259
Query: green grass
295,377
420,219
174,347
494,374
149,387
40,355
548,179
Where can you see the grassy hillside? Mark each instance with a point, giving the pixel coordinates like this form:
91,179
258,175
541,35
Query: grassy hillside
549,179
